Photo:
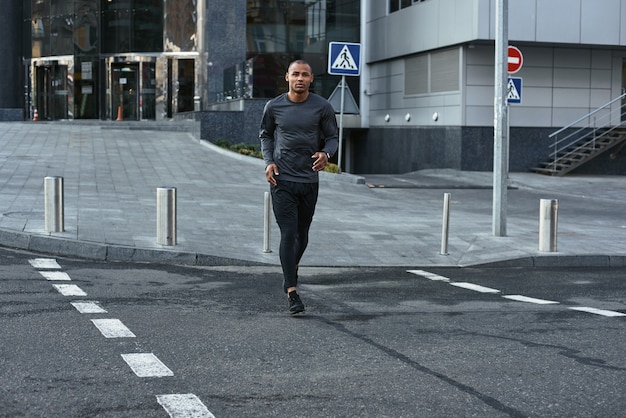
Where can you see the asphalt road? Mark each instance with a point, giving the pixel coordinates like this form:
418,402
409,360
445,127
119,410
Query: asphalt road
217,341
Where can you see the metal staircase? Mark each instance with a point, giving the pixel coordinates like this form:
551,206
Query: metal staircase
586,138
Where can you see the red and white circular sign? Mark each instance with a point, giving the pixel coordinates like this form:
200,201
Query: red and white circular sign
515,59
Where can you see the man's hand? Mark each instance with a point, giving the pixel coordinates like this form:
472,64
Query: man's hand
321,161
270,171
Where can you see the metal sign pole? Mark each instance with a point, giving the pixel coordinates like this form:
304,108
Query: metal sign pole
501,122
343,86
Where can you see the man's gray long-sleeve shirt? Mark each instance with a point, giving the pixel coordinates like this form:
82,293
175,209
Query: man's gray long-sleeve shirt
291,132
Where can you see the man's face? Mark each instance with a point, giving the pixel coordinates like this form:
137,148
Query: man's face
299,78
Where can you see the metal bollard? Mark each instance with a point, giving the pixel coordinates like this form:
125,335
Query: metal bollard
267,210
166,215
548,219
53,202
445,224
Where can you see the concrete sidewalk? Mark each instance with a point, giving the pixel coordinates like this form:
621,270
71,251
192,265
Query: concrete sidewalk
111,172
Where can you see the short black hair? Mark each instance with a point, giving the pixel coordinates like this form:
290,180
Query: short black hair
299,62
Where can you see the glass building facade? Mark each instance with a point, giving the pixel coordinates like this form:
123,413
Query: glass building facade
153,59
297,29
98,58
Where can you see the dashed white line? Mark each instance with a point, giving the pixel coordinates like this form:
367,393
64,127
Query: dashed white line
142,364
475,287
598,311
147,365
88,307
44,263
429,276
55,275
527,299
112,328
519,298
186,405
69,290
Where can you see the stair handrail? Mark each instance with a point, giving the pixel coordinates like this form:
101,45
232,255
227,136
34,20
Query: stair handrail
587,115
555,134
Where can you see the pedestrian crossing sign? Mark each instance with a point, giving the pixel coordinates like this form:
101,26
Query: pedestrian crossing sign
344,58
514,90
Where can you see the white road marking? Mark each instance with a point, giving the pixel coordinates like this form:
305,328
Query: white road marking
521,298
475,287
55,275
146,365
88,307
44,263
185,405
598,311
429,276
518,298
112,328
69,290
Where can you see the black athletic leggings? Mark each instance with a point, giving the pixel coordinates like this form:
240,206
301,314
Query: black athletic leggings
294,206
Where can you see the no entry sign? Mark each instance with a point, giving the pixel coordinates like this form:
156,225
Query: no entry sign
515,60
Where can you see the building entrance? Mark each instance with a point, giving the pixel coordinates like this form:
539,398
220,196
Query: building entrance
125,97
52,92
131,88
186,76
180,89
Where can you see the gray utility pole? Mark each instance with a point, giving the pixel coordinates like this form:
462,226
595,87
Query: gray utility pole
501,120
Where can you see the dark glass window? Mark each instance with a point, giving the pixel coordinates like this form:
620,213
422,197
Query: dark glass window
180,26
280,31
61,27
86,26
395,5
132,26
148,25
116,26
40,28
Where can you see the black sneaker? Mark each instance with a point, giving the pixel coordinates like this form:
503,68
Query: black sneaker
295,304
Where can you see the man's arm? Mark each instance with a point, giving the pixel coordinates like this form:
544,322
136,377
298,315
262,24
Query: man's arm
330,131
266,136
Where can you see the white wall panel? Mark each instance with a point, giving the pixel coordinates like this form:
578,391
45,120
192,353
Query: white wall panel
377,9
522,21
572,77
519,115
600,22
480,75
479,95
479,115
564,116
536,96
454,18
537,77
622,33
599,97
571,98
601,79
572,57
601,58
558,21
537,56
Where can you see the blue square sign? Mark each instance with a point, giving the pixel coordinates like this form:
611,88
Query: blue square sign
514,90
344,58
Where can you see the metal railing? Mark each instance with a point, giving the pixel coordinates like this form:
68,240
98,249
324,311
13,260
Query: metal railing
599,119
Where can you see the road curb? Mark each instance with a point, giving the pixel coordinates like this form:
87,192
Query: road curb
65,247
